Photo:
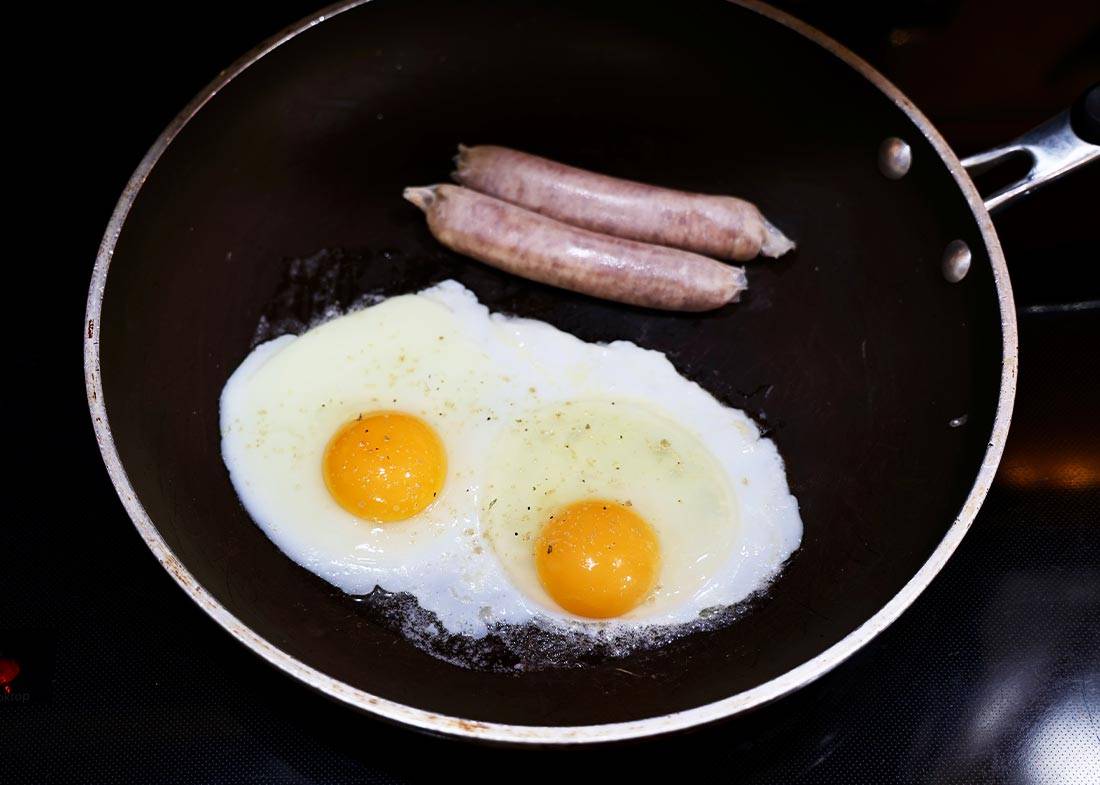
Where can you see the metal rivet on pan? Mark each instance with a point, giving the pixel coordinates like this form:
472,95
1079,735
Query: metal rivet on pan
895,157
956,261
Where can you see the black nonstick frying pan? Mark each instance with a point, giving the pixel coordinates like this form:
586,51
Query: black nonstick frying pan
880,357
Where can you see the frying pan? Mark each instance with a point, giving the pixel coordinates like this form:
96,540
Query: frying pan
880,357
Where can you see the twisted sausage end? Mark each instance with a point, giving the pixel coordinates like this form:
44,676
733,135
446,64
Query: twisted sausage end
422,197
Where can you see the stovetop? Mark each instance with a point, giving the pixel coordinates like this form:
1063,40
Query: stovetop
109,673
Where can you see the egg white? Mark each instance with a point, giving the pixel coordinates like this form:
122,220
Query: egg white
477,378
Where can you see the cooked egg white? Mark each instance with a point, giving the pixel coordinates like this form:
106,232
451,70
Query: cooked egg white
426,446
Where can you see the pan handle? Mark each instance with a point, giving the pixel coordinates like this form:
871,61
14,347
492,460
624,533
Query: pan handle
1061,144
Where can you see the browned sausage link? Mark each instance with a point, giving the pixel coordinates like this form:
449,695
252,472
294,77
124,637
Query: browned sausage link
721,226
542,249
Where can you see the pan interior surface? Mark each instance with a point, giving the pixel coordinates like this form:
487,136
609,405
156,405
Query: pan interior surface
854,351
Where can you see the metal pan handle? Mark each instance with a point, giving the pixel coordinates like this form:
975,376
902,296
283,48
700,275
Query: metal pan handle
1063,143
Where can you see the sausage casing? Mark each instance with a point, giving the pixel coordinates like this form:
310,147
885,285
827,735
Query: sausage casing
721,226
534,246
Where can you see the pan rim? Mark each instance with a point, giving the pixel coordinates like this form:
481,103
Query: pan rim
532,734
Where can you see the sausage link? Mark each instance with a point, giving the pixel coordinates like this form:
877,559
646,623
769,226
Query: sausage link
721,226
539,248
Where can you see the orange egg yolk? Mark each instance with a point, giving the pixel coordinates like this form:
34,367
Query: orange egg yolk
597,558
385,466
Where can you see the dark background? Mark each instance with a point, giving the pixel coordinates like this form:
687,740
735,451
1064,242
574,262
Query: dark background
992,676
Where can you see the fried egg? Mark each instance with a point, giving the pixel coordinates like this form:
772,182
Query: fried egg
503,472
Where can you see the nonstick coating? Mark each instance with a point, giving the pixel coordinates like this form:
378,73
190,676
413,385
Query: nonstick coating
853,351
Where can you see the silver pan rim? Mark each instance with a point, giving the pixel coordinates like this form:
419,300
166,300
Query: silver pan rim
530,734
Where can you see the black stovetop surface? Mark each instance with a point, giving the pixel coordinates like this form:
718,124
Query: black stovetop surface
992,676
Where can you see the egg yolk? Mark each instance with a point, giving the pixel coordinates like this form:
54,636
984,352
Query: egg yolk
597,558
385,466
